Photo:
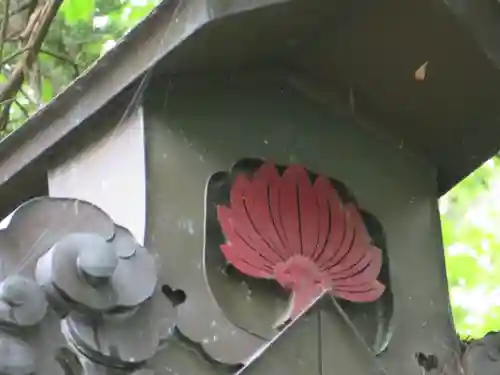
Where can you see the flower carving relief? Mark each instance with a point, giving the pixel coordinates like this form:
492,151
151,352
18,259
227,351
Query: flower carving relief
275,239
300,233
104,301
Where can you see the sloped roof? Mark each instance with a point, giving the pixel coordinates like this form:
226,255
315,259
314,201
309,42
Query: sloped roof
365,52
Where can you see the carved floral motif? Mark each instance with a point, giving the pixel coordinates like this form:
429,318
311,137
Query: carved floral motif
322,245
300,233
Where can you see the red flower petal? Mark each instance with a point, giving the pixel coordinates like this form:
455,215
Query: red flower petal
241,201
243,263
357,249
289,210
264,181
331,220
309,215
364,293
300,232
333,255
274,205
238,252
367,269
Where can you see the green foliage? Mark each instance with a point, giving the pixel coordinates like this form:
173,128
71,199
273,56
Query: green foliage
78,10
81,32
470,215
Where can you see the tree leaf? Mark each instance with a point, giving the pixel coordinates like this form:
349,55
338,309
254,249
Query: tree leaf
47,90
470,223
78,10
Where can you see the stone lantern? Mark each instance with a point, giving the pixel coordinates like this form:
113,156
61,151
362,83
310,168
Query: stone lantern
250,187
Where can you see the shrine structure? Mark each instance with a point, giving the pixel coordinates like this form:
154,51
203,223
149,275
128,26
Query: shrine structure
251,187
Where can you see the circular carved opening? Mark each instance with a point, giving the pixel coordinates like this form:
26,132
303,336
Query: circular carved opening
255,303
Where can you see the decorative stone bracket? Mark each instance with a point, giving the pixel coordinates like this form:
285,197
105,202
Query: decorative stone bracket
65,263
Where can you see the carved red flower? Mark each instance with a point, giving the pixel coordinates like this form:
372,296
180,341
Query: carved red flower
288,228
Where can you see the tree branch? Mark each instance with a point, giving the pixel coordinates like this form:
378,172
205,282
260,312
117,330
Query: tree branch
5,25
28,98
21,107
5,115
26,6
13,56
35,41
63,58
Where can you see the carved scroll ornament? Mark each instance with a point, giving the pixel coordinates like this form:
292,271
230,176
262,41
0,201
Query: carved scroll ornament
22,305
65,261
